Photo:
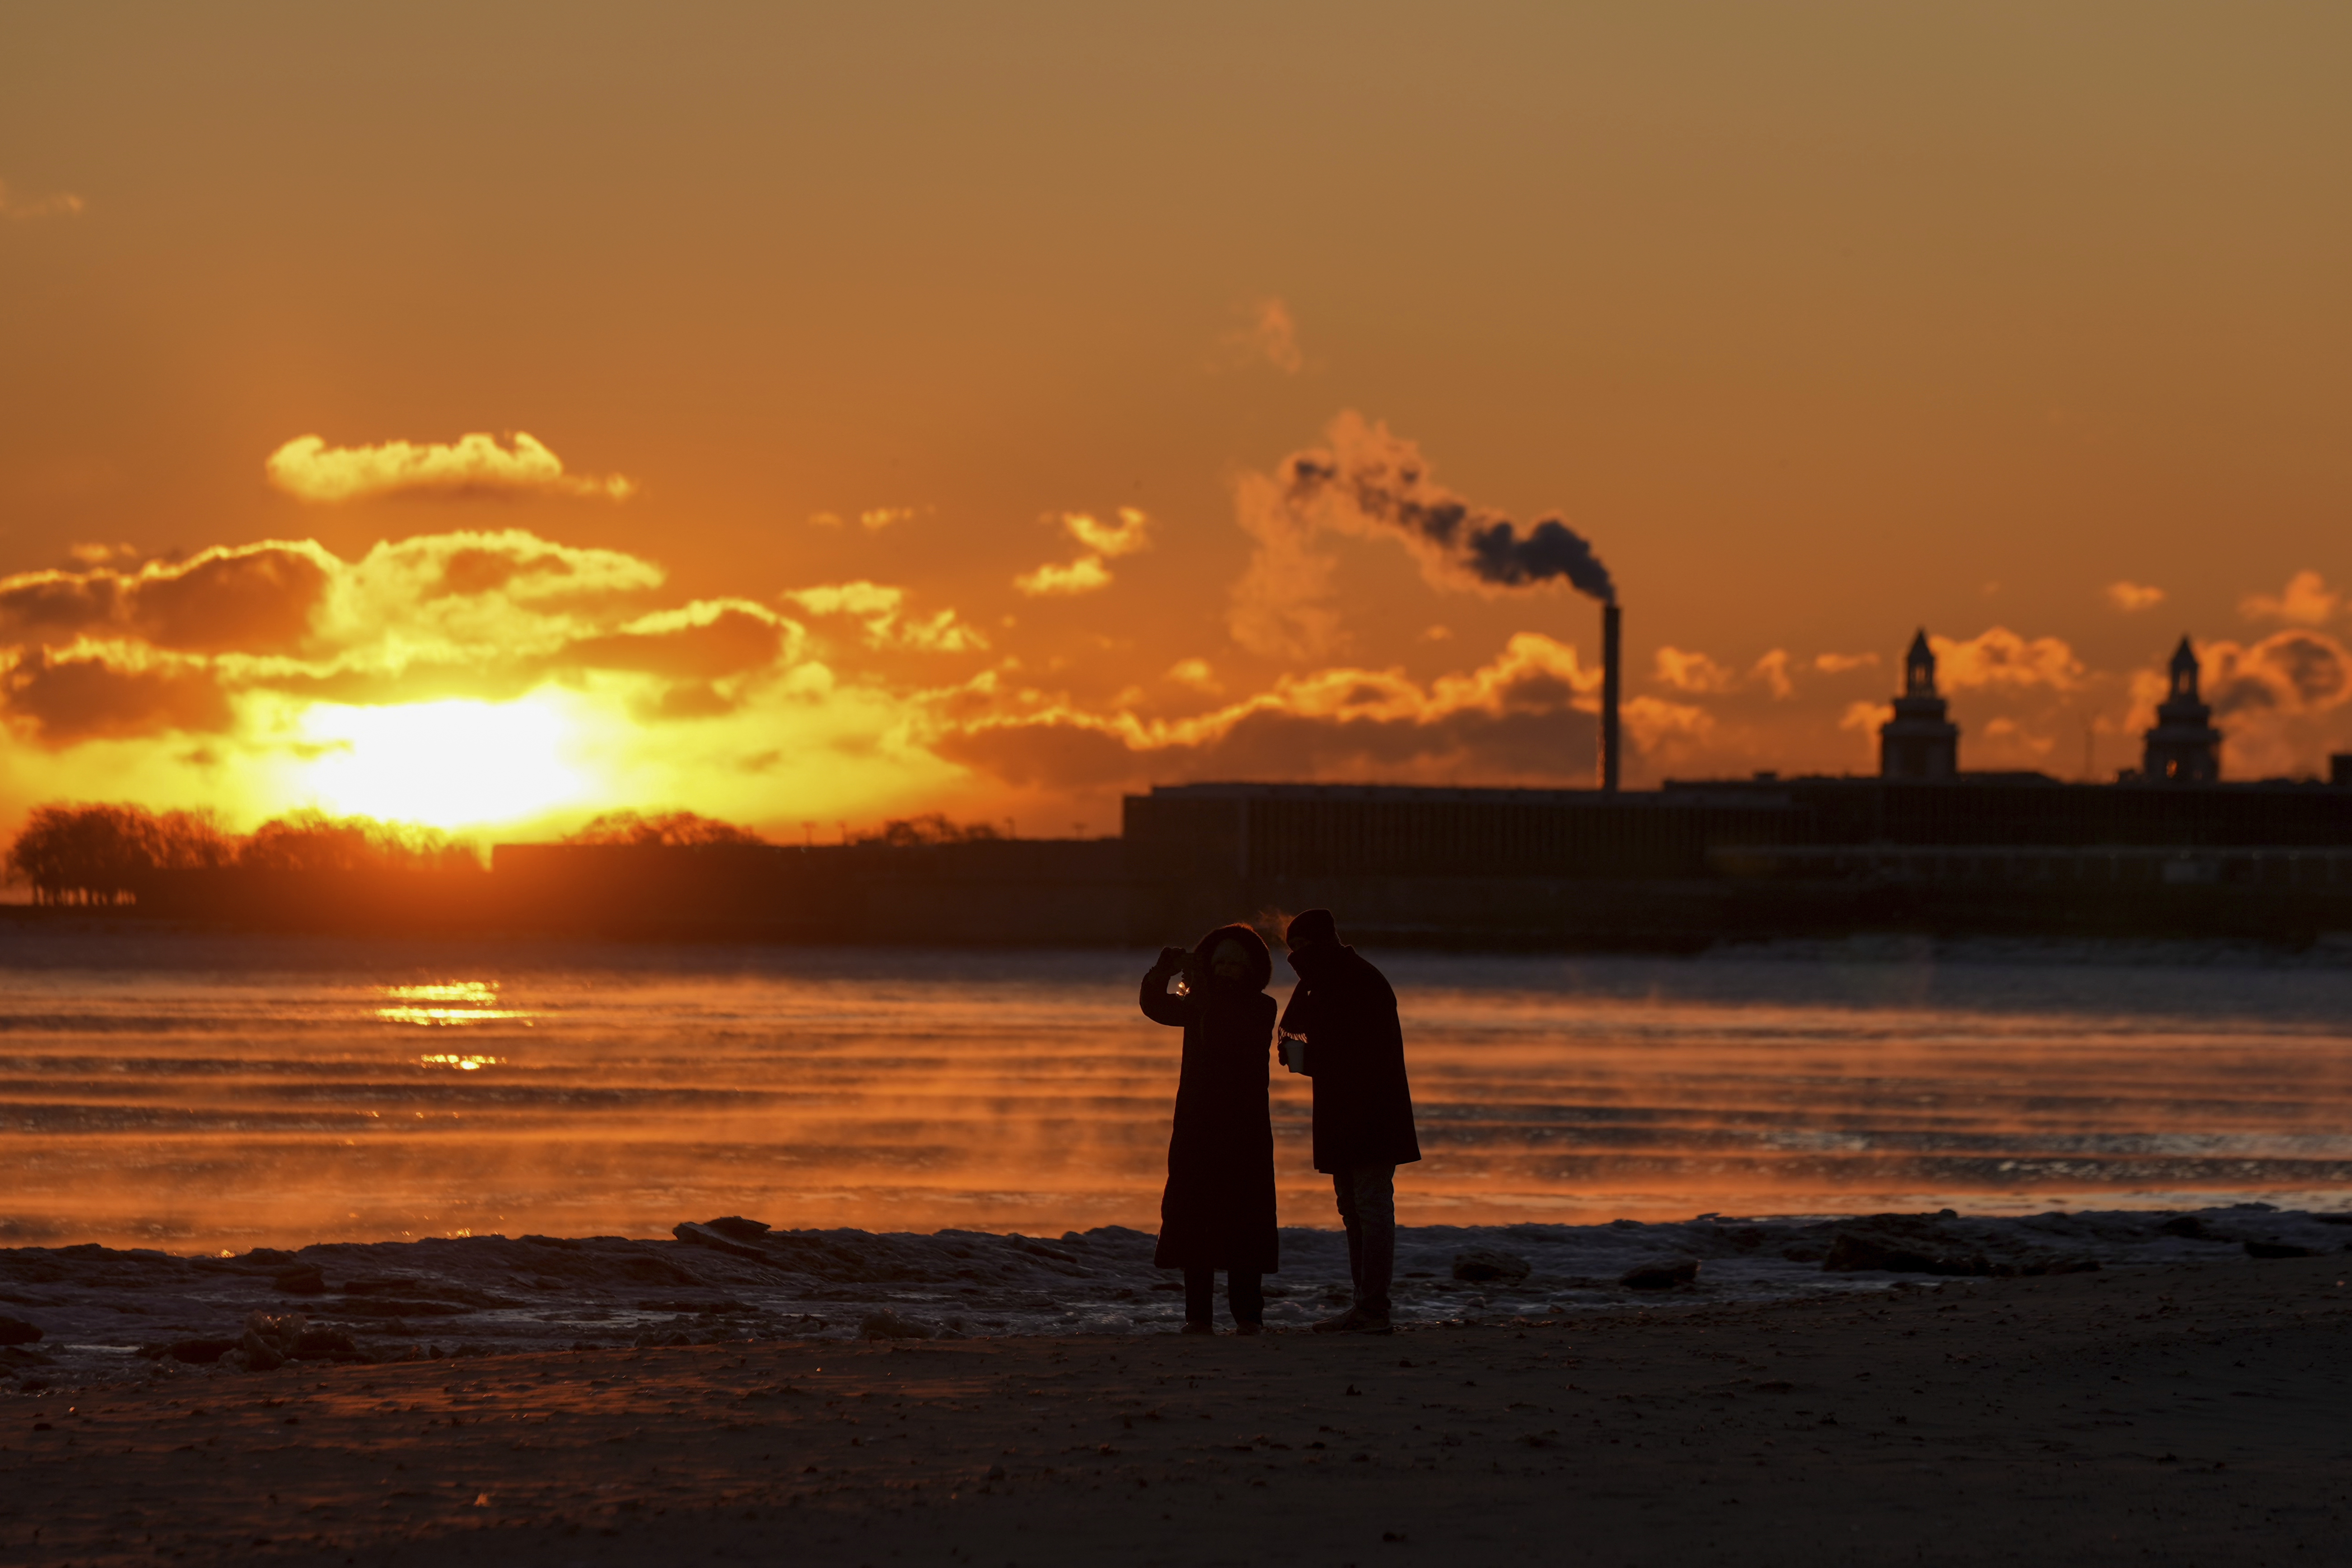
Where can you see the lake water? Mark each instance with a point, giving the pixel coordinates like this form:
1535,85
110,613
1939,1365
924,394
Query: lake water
197,1092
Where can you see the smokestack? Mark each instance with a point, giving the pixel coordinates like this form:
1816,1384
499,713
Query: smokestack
1609,660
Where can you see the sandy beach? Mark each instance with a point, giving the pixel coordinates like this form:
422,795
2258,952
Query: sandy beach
2188,1413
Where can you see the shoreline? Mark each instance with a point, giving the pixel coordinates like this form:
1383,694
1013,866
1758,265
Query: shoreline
90,1315
2176,1413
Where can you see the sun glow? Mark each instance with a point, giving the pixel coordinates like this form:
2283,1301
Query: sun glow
454,764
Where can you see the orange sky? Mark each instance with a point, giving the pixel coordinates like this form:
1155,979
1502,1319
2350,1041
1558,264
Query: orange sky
1819,322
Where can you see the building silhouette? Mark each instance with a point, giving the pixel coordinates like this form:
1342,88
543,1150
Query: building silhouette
1920,741
2183,747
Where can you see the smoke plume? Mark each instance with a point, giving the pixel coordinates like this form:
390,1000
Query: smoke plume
1371,481
1373,484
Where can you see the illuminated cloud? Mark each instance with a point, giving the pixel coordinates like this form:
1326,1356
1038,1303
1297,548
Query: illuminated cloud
880,610
1841,663
1999,659
1698,675
1865,716
1083,576
63,203
2280,702
1692,671
2306,601
1087,572
474,464
1129,535
1194,673
1510,718
1369,483
874,519
262,678
1270,337
2130,597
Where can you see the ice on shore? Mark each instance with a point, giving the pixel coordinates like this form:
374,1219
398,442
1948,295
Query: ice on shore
105,1312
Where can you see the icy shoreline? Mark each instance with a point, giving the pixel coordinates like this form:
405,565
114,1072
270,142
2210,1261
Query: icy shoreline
103,1314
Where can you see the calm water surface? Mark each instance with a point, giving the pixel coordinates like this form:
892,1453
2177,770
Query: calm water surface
197,1092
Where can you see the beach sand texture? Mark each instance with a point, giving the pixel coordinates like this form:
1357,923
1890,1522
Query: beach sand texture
2182,1413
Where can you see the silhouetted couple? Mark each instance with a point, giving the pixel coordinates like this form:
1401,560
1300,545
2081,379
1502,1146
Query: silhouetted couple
1341,1030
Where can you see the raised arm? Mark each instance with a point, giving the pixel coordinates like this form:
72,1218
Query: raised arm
1157,1004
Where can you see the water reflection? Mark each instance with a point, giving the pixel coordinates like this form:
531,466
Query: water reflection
453,1004
223,1093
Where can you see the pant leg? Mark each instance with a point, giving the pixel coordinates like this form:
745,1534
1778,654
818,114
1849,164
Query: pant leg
1245,1294
1375,1196
1343,1187
1199,1295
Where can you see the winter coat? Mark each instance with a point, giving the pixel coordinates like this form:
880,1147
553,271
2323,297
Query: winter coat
1346,1013
1218,1209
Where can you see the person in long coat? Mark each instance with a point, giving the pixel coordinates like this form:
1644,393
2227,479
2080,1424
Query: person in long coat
1344,1014
1217,1212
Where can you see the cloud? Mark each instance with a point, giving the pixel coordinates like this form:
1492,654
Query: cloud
1692,671
474,464
256,598
1841,663
2279,702
1999,659
63,203
1865,716
260,678
2130,597
1699,675
1083,576
1270,337
1194,673
1369,483
1511,719
880,609
874,519
1087,572
93,693
1129,535
2306,601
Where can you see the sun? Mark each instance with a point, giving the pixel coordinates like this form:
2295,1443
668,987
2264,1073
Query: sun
452,764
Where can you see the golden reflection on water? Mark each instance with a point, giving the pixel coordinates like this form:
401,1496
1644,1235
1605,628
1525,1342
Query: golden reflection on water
193,1109
455,1003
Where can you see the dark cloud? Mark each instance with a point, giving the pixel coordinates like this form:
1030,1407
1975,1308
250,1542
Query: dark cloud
258,599
252,601
62,701
477,570
1533,741
730,643
60,606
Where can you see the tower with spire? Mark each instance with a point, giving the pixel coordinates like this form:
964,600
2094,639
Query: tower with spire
2183,747
1919,742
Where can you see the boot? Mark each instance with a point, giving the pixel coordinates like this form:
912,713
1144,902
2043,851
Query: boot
1357,1320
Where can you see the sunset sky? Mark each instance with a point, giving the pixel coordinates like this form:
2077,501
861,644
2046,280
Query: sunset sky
488,415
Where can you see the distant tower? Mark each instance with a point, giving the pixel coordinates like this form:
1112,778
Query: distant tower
2184,747
1919,742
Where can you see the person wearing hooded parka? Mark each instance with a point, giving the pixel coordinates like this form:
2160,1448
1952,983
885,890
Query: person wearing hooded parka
1218,1210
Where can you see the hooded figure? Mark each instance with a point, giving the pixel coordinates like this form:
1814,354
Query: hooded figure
1218,1209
